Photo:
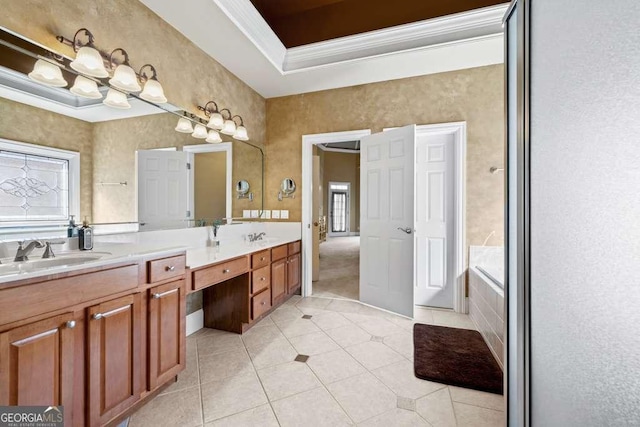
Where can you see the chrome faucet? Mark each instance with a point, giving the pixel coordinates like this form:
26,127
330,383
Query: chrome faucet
23,252
48,251
255,236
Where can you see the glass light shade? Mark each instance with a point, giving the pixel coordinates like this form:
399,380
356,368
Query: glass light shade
229,127
216,121
89,61
184,126
200,132
241,133
86,88
47,73
153,92
213,137
116,99
125,78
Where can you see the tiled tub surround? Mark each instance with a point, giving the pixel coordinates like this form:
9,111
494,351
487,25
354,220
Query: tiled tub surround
486,296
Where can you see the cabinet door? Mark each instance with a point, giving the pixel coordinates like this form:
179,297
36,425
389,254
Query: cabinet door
166,333
36,364
293,273
278,280
113,357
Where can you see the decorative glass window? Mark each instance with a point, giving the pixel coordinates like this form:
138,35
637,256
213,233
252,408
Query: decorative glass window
38,185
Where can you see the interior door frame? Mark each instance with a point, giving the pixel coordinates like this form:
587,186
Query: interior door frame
330,191
459,131
308,141
226,147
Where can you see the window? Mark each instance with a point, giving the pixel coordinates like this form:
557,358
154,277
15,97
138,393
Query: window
339,212
38,185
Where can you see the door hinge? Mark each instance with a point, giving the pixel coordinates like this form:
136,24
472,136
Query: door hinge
188,166
188,214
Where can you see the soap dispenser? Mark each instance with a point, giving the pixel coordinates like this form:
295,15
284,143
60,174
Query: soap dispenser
72,229
85,236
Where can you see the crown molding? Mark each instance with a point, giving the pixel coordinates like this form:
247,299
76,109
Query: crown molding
451,29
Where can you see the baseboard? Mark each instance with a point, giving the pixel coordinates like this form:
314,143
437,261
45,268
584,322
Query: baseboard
195,321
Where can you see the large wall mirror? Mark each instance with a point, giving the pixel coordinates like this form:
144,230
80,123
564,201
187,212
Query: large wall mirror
133,169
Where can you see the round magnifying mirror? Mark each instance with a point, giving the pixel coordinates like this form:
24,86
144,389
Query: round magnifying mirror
242,187
288,186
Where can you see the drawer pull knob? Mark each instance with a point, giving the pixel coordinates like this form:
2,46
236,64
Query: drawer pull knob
156,296
170,268
97,316
263,303
263,279
71,324
261,258
226,270
163,294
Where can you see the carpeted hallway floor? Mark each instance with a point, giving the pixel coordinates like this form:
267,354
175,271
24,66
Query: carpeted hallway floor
339,268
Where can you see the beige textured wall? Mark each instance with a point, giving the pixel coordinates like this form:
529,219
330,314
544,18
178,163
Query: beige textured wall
342,167
210,185
471,95
23,123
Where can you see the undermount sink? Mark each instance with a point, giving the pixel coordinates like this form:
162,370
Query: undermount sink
61,260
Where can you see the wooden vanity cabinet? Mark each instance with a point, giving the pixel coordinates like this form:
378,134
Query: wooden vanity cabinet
285,271
293,274
37,364
166,332
113,357
278,280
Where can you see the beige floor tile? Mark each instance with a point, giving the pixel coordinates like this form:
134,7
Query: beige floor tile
474,416
287,379
275,352
222,365
330,320
293,300
319,303
334,366
363,396
262,416
344,306
374,355
348,335
452,320
265,321
315,408
477,398
219,344
423,315
400,378
403,322
285,313
396,418
357,317
257,337
189,377
297,327
231,396
174,409
437,409
380,327
402,343
315,343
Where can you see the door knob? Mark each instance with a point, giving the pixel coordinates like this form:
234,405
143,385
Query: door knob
315,224
407,230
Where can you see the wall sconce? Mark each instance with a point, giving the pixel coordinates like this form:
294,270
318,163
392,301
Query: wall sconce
88,59
47,73
124,78
213,137
229,127
184,125
210,109
287,188
116,99
200,132
86,88
152,91
241,132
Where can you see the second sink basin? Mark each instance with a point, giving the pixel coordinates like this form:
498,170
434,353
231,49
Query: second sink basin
61,260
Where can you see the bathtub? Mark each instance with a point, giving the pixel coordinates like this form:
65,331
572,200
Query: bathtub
486,296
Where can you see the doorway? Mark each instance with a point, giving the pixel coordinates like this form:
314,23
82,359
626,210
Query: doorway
339,208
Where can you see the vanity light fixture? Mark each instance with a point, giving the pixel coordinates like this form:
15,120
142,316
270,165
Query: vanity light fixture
229,127
213,137
152,91
86,88
210,109
124,77
184,125
241,132
116,99
200,132
88,59
47,73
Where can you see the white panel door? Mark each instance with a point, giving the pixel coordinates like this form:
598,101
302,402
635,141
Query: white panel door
435,279
387,220
163,199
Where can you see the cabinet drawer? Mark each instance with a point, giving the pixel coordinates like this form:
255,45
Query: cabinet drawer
166,268
220,272
260,259
260,279
40,298
279,252
260,304
294,247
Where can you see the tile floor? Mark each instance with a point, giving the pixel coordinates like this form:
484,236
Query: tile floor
339,268
359,372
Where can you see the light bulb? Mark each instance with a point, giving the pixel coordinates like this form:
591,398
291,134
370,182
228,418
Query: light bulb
125,78
184,126
216,121
213,137
47,73
86,88
200,132
153,92
89,61
229,127
241,133
116,99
